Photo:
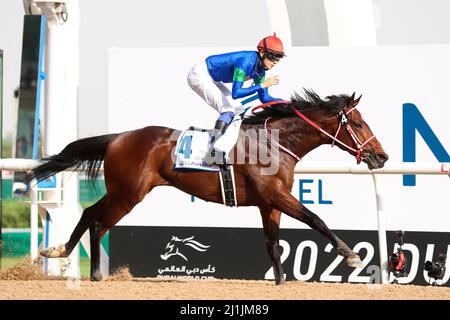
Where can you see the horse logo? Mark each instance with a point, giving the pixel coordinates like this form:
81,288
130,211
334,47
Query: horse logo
176,244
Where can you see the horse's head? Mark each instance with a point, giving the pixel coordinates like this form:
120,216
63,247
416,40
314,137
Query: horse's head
355,135
308,121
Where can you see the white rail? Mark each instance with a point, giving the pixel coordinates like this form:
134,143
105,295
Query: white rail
24,165
304,167
17,164
324,168
389,168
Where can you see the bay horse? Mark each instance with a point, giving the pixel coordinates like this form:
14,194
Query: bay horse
137,161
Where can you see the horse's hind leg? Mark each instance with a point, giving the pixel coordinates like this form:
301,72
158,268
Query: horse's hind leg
271,223
88,217
113,212
96,232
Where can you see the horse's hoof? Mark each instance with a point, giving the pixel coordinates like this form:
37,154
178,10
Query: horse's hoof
97,276
355,262
53,252
50,252
280,280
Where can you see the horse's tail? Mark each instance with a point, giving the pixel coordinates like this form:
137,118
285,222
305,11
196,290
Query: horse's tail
86,153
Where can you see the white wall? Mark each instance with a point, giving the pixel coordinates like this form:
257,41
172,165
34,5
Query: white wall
11,28
403,22
387,77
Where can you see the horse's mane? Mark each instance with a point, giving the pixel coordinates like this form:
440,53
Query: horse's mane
307,102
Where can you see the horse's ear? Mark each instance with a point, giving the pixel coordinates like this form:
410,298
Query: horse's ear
354,102
352,97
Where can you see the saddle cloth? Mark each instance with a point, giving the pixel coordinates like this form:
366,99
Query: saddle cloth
194,143
190,151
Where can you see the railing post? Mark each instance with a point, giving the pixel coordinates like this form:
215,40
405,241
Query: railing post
34,213
382,242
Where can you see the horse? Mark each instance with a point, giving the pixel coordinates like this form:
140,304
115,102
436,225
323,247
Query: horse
137,161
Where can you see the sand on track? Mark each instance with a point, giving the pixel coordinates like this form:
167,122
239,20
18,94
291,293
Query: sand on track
156,289
26,281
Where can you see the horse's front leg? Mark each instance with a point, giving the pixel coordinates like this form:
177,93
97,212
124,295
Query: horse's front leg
271,223
281,199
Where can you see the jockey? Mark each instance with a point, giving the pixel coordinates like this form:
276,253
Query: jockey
207,79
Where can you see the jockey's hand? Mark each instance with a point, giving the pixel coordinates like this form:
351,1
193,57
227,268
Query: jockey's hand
272,81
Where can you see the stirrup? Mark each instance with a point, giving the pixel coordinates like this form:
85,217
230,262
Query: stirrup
212,152
217,157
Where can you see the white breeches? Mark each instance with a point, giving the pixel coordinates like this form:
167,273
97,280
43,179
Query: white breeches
216,94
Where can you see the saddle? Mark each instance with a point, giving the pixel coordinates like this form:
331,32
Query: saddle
190,154
192,148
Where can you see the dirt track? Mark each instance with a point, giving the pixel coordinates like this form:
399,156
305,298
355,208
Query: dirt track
26,281
155,289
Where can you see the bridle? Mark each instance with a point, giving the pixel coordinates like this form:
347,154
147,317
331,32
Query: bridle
343,122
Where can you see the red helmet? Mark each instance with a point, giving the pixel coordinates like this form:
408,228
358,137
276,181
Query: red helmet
272,44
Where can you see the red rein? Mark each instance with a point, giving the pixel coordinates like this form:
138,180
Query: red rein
359,145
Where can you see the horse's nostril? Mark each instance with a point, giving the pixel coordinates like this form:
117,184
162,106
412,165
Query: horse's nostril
382,157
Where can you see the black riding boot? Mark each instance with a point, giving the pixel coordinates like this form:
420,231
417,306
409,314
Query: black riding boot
219,130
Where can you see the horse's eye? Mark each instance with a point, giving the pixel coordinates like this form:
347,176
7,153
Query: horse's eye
358,124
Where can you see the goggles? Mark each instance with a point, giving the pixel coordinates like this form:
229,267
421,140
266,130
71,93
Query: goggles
274,57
